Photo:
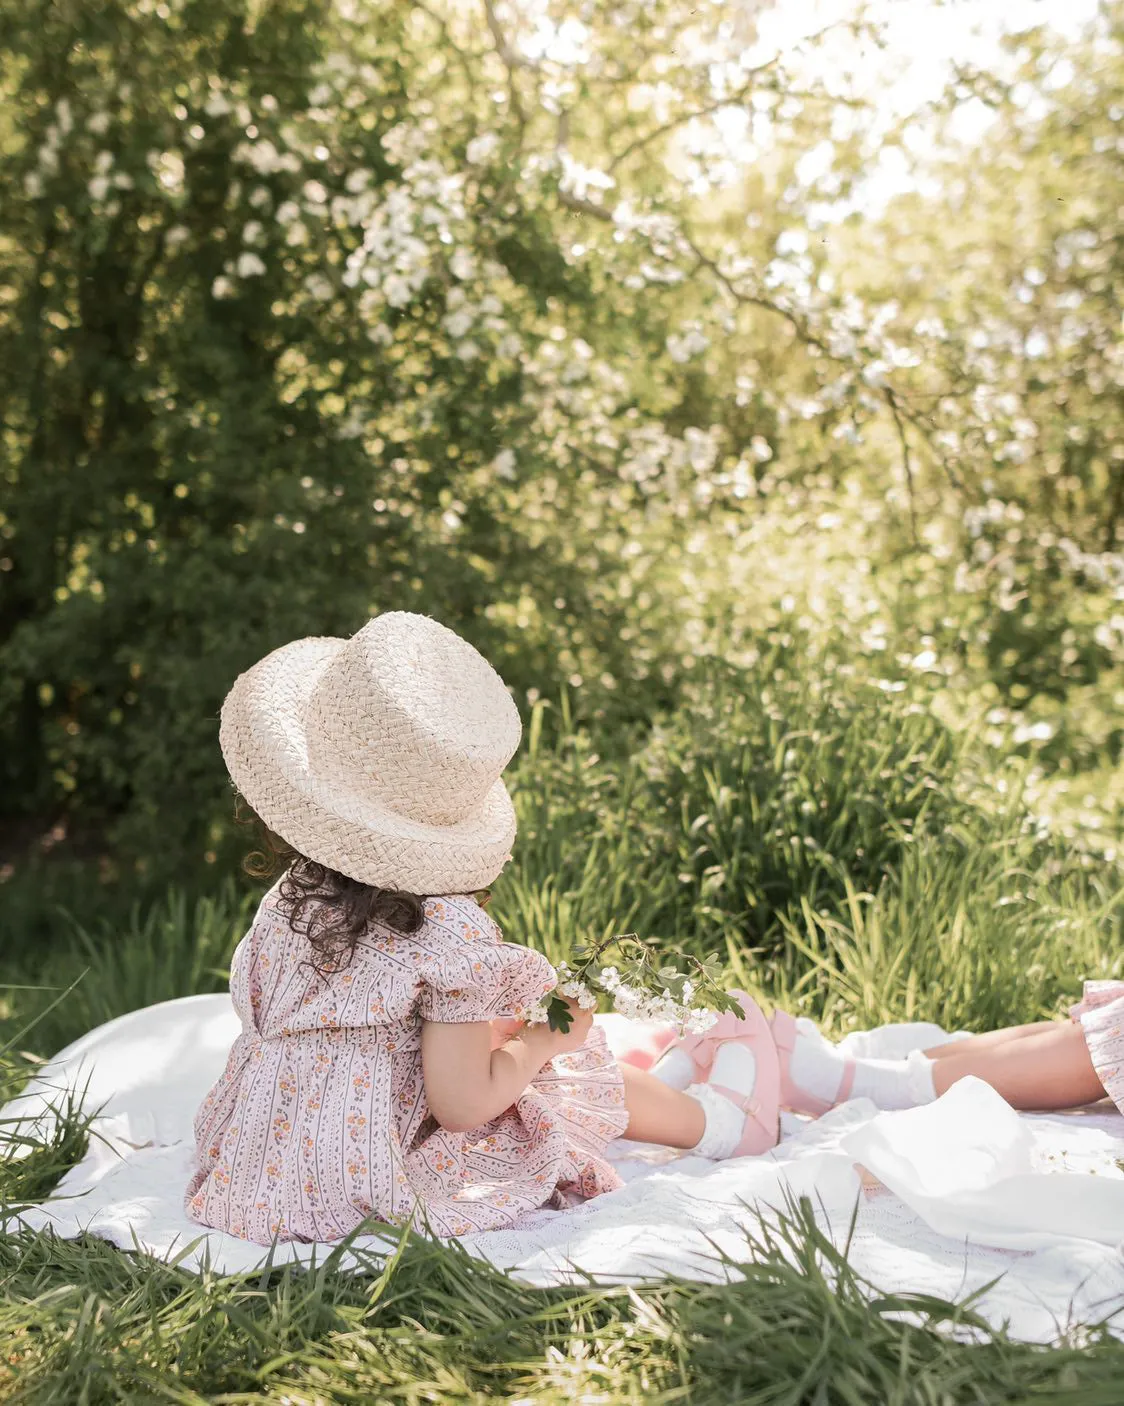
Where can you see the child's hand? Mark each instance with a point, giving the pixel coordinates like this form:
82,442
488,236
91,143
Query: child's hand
505,1028
581,1023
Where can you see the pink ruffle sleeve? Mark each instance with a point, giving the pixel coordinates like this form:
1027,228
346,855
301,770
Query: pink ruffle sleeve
475,977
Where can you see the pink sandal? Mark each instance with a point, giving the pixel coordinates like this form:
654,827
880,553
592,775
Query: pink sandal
794,1098
763,1107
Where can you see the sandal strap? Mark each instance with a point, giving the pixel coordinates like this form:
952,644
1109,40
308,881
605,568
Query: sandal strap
784,1032
784,1037
746,1103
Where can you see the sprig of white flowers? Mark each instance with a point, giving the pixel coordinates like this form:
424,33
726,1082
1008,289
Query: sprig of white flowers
641,985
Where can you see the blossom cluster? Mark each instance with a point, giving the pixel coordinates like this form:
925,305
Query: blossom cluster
659,994
638,1004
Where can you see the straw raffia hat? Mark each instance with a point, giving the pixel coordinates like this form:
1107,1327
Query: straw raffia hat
380,755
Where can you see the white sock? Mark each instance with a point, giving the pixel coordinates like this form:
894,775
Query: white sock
675,1067
734,1068
725,1123
816,1066
895,1083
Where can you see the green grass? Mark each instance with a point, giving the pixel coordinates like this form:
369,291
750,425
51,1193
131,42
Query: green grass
839,851
84,1322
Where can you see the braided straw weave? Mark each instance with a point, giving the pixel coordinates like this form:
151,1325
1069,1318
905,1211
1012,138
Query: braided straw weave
380,755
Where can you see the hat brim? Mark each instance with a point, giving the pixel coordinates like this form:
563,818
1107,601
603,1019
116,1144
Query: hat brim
264,746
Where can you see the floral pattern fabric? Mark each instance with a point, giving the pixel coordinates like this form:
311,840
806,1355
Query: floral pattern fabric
1101,1015
320,1118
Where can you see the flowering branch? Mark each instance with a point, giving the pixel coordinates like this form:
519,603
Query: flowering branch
641,985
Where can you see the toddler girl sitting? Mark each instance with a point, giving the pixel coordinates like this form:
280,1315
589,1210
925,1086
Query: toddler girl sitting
368,1080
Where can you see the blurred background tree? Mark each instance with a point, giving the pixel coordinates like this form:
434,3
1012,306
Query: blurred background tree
549,320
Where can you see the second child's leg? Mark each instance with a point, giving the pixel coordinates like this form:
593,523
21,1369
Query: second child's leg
1036,1068
988,1040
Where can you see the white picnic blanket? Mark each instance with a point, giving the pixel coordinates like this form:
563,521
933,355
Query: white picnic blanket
954,1195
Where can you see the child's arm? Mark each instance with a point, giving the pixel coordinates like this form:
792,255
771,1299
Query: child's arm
468,1083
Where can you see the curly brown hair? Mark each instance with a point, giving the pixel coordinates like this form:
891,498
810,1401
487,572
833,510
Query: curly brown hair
335,910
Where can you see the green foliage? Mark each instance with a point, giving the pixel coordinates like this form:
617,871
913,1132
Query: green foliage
203,462
120,961
781,785
85,1321
311,312
770,788
979,934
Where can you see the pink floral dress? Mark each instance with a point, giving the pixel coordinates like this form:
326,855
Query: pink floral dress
320,1119
1100,1013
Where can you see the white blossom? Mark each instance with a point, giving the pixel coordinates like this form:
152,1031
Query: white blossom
168,168
580,993
398,290
463,263
503,466
634,1002
1033,732
457,323
481,147
249,265
874,374
318,286
578,180
682,347
264,157
404,143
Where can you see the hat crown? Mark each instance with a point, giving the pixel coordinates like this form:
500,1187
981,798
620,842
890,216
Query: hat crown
420,720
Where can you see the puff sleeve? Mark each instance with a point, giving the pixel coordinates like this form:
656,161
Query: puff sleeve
470,974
